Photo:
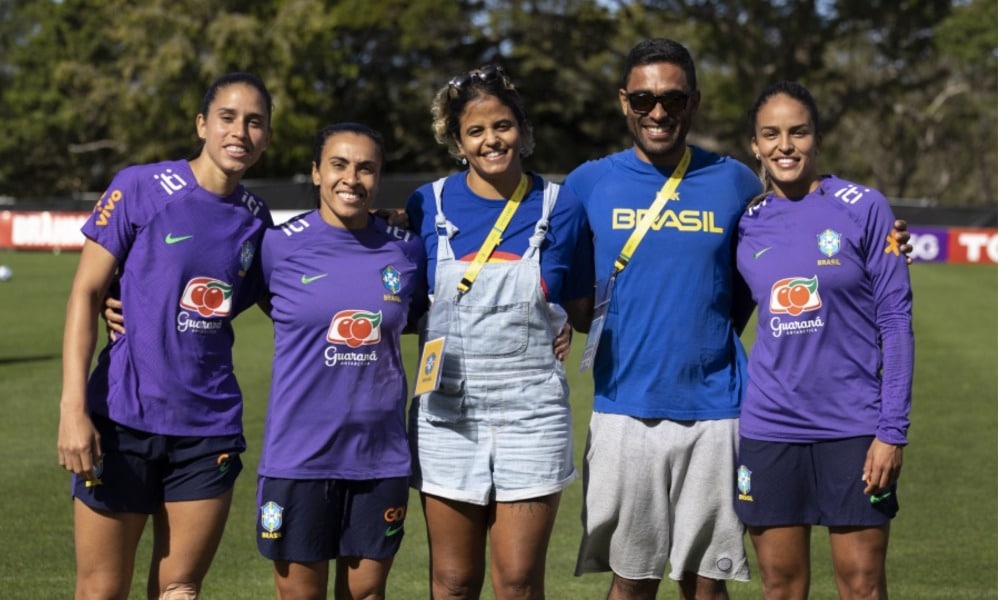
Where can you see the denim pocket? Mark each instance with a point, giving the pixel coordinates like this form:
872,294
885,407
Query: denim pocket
444,405
494,331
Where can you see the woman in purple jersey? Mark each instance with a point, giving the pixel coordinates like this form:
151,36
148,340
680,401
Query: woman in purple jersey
824,419
138,436
343,285
492,442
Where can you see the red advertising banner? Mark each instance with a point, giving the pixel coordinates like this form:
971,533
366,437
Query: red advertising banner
41,230
972,245
55,230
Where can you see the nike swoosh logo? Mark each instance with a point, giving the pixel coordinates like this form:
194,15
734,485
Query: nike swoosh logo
170,239
391,531
759,252
307,279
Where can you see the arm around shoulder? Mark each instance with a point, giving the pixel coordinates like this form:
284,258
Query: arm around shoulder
580,312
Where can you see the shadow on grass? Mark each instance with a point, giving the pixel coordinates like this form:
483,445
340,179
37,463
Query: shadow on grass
14,360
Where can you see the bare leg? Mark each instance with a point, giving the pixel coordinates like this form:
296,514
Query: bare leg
783,558
186,536
301,581
361,578
456,532
859,561
105,551
519,540
633,589
696,587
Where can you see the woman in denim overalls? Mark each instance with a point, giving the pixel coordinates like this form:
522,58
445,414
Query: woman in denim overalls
493,442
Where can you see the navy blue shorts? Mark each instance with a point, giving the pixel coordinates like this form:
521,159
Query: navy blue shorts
808,484
309,520
140,471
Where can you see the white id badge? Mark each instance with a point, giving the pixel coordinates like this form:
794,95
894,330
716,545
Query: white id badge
597,324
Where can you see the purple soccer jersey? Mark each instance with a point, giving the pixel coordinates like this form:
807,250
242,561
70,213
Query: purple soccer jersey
833,357
187,261
339,301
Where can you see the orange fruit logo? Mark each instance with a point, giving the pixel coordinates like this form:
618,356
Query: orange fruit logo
795,295
355,328
209,297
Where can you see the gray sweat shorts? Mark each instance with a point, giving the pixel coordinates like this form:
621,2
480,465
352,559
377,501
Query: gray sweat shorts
659,492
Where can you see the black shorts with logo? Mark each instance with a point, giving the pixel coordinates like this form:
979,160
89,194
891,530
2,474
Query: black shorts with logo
139,471
815,483
309,520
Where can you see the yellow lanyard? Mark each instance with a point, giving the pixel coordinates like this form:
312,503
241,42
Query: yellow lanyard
493,239
666,193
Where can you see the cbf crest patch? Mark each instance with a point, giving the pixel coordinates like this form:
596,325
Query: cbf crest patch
743,483
246,257
390,279
829,242
270,519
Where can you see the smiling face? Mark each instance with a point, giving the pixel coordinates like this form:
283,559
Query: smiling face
490,139
786,141
347,176
236,130
659,135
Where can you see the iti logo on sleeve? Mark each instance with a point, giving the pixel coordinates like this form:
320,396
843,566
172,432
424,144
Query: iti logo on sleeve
209,297
355,328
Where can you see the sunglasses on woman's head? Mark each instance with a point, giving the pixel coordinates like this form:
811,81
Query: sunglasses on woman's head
487,74
644,102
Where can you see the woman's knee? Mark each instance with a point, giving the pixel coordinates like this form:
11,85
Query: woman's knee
180,591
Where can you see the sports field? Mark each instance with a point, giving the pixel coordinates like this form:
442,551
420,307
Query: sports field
944,541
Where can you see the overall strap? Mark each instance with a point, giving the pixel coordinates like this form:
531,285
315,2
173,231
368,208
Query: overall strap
445,228
549,197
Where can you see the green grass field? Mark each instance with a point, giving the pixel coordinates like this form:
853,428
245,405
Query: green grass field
944,542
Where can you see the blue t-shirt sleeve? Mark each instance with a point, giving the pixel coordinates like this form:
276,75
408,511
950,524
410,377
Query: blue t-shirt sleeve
420,211
419,303
750,185
743,303
579,279
415,210
580,180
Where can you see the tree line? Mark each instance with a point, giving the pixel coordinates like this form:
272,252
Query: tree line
907,90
